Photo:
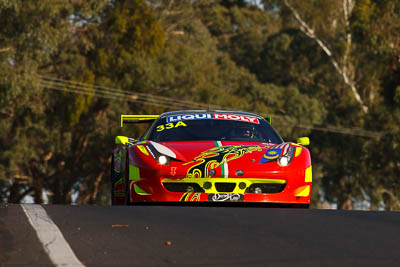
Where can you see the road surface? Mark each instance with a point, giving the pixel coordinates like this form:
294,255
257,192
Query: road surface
202,236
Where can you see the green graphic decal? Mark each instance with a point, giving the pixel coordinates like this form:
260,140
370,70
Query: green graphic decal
140,191
217,157
120,181
134,174
117,163
119,192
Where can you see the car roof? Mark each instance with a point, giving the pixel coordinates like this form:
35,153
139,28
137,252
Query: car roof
183,112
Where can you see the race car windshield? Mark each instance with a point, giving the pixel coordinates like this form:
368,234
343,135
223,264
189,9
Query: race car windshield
249,129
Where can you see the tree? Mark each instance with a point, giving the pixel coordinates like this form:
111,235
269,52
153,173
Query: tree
359,40
31,34
51,140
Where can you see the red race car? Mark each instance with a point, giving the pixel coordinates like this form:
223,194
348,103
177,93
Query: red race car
209,156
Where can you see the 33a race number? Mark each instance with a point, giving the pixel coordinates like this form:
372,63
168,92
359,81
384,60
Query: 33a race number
171,125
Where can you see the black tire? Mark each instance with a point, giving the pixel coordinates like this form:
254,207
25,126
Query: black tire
112,180
300,206
127,187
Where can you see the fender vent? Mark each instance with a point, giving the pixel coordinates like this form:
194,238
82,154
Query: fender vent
183,187
266,188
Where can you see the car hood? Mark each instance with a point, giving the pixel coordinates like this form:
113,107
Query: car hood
229,159
189,151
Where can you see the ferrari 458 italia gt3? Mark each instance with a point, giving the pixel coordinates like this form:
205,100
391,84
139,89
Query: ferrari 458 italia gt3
209,156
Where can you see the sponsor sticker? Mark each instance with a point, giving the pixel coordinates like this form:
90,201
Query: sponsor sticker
217,116
234,117
226,197
274,152
189,117
170,125
271,154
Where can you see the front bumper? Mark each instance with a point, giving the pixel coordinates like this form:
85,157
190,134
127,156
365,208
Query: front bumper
221,190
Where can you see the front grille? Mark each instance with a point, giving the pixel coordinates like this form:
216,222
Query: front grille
183,187
266,188
225,187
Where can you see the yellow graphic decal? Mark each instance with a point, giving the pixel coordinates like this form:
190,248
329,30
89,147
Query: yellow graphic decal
298,151
215,157
180,123
184,197
196,197
308,175
171,125
190,196
303,191
237,181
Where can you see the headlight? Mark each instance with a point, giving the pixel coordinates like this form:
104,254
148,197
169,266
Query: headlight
286,159
163,160
283,161
158,157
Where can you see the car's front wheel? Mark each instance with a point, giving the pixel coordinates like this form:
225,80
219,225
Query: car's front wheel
112,180
127,183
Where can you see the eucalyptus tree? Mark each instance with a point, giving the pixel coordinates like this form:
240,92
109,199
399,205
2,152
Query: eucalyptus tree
51,138
352,67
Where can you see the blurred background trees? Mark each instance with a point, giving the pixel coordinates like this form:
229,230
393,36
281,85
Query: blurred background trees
327,69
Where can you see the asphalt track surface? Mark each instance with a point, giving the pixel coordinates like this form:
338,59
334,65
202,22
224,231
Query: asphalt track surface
206,236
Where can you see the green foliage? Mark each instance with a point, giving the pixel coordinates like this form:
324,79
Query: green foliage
131,28
55,137
367,50
361,20
128,29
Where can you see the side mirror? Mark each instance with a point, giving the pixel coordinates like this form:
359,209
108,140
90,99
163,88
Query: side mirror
121,140
303,141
